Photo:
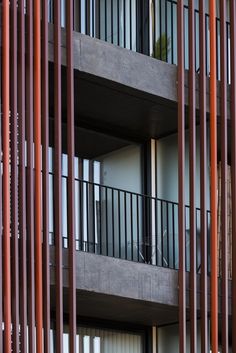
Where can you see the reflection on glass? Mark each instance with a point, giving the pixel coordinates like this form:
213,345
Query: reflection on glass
96,345
91,340
86,344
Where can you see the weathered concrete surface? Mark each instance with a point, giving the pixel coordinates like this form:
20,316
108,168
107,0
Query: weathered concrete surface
127,68
109,288
103,274
113,63
134,291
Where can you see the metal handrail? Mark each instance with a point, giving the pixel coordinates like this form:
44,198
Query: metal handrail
124,224
123,27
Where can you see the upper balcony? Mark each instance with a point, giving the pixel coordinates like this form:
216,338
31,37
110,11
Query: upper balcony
146,27
133,103
134,96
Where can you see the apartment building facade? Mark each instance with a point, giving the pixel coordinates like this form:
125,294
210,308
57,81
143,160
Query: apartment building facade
118,176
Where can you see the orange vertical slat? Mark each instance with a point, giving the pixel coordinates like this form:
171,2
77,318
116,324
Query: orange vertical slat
6,175
213,179
37,141
71,176
233,158
181,181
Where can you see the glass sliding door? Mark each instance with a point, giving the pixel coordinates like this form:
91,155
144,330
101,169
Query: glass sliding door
163,27
118,22
96,340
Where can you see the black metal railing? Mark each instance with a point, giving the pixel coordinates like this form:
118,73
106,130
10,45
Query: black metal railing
114,21
125,225
165,36
148,30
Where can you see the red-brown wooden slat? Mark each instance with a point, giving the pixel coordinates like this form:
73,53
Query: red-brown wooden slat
1,214
14,178
233,159
30,176
192,181
22,180
37,178
181,173
213,179
71,176
45,184
6,174
203,170
224,169
57,176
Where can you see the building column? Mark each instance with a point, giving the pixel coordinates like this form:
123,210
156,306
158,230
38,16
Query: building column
154,339
153,189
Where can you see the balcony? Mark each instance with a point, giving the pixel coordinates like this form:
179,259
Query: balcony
118,223
150,29
126,225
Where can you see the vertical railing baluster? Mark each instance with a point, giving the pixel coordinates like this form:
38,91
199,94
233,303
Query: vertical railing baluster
162,236
105,10
81,210
160,21
91,207
130,23
173,231
93,19
98,19
100,223
113,223
112,29
119,224
167,234
172,34
118,22
93,218
166,34
131,227
87,218
124,12
138,233
156,230
88,17
125,221
107,233
155,227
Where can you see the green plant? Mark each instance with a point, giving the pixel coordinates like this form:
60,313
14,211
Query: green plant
161,47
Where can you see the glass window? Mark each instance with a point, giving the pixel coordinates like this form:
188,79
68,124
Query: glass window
97,340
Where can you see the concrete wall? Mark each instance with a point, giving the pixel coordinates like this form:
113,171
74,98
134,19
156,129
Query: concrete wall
168,339
167,169
122,169
167,186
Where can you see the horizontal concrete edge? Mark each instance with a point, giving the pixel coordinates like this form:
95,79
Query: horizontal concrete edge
126,279
128,68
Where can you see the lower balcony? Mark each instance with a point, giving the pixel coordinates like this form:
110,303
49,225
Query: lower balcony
126,225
